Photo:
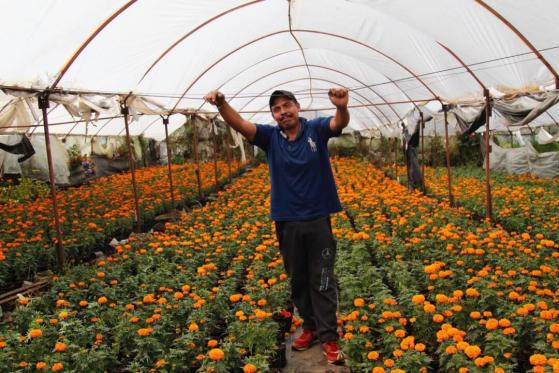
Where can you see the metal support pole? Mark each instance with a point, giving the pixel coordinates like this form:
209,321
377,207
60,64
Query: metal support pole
422,136
124,111
228,154
196,158
44,105
488,199
447,151
396,158
214,140
169,158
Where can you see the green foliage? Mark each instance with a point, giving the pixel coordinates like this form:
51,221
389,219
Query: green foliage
25,191
468,151
544,148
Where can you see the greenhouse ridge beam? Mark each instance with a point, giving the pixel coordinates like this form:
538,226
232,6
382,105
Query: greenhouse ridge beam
200,26
523,38
88,40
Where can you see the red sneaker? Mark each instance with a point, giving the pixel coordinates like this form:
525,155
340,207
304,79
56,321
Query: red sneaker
305,340
333,352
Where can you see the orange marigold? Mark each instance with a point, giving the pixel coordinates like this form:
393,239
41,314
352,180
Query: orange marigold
216,354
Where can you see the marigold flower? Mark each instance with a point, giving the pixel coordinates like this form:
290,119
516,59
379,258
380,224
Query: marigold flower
472,351
492,324
373,355
59,347
249,368
35,333
41,365
216,354
57,367
538,359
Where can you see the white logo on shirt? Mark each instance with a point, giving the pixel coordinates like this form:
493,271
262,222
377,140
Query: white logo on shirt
312,144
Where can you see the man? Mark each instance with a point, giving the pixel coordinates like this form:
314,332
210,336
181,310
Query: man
303,195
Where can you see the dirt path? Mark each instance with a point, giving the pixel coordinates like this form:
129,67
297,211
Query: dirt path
310,361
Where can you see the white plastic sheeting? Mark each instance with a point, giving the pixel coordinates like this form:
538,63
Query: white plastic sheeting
387,52
524,160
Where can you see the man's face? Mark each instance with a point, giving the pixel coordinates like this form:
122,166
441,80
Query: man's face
286,113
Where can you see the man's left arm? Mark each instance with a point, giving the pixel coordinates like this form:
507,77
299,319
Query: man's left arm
339,98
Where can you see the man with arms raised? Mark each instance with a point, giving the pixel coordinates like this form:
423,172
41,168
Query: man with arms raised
303,195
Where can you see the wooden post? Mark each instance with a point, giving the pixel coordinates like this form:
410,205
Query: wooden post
169,158
125,112
44,105
488,199
447,151
196,158
228,154
422,135
214,140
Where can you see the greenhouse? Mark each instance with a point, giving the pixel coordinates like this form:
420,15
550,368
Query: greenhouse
139,230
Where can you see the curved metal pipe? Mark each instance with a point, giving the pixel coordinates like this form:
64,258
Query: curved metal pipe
523,38
88,40
317,66
200,26
306,31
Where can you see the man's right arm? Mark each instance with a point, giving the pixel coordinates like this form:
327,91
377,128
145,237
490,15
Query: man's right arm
231,116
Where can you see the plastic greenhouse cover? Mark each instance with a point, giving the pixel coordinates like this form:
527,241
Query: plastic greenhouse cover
387,52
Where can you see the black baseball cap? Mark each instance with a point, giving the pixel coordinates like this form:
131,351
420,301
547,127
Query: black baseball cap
281,93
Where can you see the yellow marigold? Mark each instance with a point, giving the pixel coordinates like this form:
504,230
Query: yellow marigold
438,318
475,315
373,355
504,323
216,354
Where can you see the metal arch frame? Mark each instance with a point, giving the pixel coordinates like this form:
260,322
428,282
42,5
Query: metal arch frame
367,106
302,52
307,31
321,67
200,26
524,39
89,40
365,86
295,80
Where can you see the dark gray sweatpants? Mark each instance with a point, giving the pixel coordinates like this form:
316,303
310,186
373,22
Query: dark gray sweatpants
309,251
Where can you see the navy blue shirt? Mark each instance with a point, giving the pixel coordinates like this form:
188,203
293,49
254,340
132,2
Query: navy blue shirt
303,186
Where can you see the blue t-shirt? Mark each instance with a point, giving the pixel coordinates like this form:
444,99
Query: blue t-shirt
303,186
